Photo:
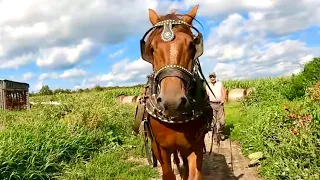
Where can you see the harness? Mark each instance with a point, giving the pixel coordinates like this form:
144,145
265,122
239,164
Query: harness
194,81
191,79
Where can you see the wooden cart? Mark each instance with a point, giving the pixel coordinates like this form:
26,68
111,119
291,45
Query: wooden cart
14,95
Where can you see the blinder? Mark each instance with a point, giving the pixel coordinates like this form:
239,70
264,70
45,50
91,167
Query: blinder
144,54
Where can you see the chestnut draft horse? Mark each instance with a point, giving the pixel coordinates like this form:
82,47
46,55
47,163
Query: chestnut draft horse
175,104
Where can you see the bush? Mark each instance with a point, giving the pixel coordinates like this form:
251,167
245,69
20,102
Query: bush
314,93
308,77
311,71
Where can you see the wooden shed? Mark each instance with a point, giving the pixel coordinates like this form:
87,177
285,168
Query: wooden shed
14,95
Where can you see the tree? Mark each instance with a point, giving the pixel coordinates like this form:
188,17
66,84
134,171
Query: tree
45,90
97,88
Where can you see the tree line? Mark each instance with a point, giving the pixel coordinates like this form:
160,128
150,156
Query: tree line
45,90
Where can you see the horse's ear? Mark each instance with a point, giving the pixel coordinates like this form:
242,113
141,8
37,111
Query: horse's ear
188,18
153,17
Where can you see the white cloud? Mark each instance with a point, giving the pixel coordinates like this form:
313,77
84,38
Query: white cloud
38,85
122,73
84,84
64,57
243,69
51,30
14,63
228,40
27,76
73,73
221,8
117,53
278,17
51,75
234,51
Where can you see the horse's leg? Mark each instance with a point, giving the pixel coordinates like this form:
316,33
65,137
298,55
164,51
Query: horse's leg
176,161
185,168
195,164
164,158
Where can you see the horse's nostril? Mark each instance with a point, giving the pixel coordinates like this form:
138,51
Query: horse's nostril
159,99
183,101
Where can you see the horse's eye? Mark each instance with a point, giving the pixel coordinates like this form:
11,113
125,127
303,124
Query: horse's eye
192,45
151,48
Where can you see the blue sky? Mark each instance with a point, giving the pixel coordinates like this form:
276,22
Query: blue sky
79,44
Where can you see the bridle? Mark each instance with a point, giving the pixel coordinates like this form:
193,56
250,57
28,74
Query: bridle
167,35
191,78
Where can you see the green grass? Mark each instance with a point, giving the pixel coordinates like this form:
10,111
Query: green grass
113,164
87,137
232,115
261,123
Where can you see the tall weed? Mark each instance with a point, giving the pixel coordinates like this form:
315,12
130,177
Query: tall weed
45,141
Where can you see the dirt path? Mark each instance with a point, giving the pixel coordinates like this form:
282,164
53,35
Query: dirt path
218,166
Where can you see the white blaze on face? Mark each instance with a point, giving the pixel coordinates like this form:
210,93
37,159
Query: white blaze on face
173,54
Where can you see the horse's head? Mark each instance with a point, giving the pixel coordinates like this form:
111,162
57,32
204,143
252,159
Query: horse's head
172,48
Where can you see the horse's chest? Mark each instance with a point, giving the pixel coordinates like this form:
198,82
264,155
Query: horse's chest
169,140
180,136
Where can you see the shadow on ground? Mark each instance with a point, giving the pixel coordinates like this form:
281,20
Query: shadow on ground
215,167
